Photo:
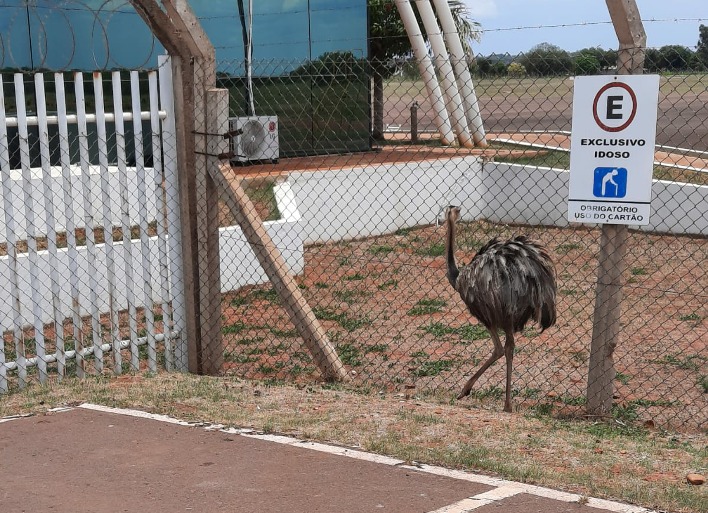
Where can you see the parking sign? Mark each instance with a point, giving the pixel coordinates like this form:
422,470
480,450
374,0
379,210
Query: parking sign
612,149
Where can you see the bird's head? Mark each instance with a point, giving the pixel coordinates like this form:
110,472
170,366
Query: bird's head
450,213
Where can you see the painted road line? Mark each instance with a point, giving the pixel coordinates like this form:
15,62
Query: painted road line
463,506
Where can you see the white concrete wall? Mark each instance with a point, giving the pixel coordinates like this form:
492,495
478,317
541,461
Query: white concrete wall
525,194
678,208
533,195
239,265
373,200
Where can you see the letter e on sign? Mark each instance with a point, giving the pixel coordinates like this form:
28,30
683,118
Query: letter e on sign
614,107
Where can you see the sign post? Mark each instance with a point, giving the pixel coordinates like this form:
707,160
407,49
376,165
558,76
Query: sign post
612,149
613,242
611,167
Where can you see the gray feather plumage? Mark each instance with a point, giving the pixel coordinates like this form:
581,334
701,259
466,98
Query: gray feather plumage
508,284
505,286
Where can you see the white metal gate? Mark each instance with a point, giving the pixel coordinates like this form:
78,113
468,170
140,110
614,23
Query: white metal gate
90,249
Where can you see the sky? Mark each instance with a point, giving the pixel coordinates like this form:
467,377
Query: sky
495,15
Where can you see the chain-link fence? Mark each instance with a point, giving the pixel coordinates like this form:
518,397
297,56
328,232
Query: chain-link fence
359,231
342,159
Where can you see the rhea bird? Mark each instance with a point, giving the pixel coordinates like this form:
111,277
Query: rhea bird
506,285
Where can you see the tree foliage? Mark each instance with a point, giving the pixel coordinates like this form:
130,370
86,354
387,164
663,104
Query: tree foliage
606,58
587,64
388,39
671,58
547,59
516,70
702,46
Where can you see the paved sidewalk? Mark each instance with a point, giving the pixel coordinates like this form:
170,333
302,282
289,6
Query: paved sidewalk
98,459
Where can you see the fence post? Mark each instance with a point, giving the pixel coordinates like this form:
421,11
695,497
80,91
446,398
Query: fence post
613,241
179,31
217,124
313,334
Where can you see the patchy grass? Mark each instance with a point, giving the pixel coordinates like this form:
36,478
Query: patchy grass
427,306
341,318
349,354
703,383
235,328
690,317
432,367
381,250
466,332
690,362
434,250
564,249
355,277
622,378
388,284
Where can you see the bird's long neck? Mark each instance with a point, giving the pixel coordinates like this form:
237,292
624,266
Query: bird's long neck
452,271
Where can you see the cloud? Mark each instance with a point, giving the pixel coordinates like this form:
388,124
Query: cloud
480,9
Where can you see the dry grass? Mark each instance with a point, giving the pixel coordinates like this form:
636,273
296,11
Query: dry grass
636,465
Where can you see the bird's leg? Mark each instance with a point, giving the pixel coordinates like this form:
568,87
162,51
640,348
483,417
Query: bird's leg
496,354
509,352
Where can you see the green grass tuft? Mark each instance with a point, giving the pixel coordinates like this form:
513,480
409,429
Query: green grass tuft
427,306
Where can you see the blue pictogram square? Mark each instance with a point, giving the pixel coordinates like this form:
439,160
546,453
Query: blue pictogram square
610,182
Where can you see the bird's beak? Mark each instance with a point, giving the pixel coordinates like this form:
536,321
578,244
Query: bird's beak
440,218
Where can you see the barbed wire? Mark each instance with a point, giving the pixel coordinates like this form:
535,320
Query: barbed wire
587,24
46,37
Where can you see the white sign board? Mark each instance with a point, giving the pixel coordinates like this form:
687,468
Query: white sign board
612,149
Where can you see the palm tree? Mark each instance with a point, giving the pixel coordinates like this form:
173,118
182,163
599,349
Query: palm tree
388,40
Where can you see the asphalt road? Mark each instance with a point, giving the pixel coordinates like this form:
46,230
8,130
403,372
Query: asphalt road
682,120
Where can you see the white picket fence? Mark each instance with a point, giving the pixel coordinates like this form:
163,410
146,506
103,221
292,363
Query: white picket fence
53,294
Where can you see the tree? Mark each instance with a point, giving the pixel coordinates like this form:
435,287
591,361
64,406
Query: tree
547,59
702,46
389,44
516,70
587,64
675,57
606,58
670,58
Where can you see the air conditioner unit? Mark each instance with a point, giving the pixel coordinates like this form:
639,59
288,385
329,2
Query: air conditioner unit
256,138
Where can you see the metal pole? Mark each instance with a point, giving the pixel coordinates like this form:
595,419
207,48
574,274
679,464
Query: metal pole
414,122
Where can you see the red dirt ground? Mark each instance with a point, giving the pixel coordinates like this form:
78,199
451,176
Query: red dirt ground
364,292
367,294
